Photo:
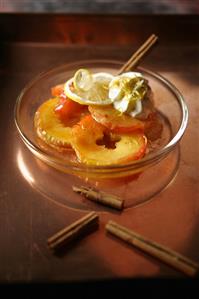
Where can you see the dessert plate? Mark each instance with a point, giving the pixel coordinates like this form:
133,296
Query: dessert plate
54,174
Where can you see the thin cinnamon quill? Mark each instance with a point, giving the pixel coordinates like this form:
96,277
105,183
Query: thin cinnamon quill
172,258
75,230
135,59
100,197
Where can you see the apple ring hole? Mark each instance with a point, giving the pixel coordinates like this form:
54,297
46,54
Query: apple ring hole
108,140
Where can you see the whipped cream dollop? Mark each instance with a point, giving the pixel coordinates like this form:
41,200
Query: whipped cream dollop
127,92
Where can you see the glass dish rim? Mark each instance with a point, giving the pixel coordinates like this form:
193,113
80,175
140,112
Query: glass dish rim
137,164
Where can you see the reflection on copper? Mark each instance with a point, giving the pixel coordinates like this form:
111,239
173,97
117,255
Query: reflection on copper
23,168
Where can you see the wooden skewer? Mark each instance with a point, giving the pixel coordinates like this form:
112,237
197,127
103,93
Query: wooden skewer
135,59
161,252
77,229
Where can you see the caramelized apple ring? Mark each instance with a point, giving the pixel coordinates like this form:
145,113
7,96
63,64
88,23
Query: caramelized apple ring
95,145
49,127
114,120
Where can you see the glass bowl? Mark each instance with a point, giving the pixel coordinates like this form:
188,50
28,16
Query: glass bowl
167,99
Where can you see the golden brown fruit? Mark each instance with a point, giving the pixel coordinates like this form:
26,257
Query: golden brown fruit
94,145
49,127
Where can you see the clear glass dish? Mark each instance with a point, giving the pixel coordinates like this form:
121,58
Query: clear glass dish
169,103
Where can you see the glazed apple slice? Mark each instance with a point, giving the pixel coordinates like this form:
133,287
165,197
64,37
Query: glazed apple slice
49,127
55,118
95,145
115,121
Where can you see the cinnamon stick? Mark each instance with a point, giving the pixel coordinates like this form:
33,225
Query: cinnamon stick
172,258
135,59
100,197
75,230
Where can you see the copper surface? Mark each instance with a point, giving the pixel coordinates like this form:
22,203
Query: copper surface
28,217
